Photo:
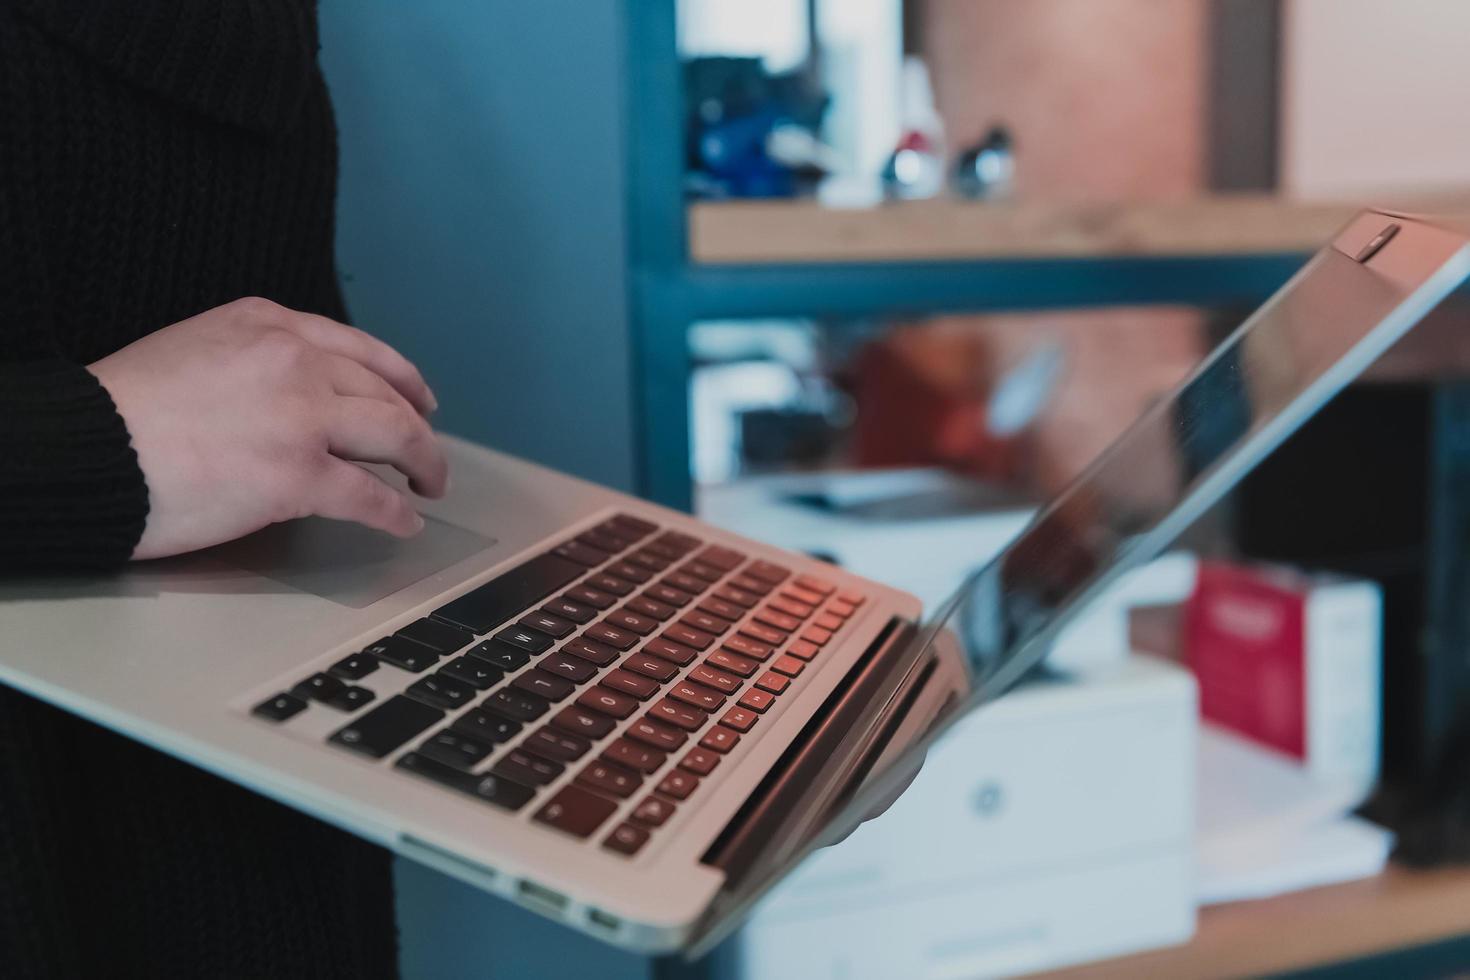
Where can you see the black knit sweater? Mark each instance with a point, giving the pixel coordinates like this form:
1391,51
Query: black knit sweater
157,158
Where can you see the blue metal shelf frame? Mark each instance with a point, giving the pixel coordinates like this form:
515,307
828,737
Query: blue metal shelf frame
669,292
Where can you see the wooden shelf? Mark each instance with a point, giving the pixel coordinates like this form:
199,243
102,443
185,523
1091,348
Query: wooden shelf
803,231
1396,910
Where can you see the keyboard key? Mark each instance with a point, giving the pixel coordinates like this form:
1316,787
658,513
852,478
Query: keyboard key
576,811
553,626
642,663
663,737
773,682
668,594
473,671
689,636
733,662
820,586
590,650
817,635
517,705
652,608
441,692
609,777
672,712
627,839
768,572
788,665
853,599
487,606
828,621
279,708
628,620
454,748
721,608
560,746
720,739
505,793
635,526
789,606
542,684
603,541
683,543
654,811
582,554
436,635
746,583
630,572
386,727
640,758
701,762
565,608
678,785
778,620
591,724
747,647
673,652
685,582
699,569
613,636
404,654
738,597
591,597
803,649
650,561
498,654
664,551
713,625
523,767
353,667
837,607
525,639
609,702
765,634
604,582
717,679
725,559
350,698
703,698
485,724
740,719
318,687
756,700
574,669
621,680
804,596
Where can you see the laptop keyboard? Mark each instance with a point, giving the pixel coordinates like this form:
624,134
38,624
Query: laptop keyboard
635,655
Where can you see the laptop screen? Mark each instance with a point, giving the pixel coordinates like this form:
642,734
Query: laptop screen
1343,309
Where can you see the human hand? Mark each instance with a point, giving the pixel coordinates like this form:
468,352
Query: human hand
250,413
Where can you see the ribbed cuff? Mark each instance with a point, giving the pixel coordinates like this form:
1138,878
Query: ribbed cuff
71,493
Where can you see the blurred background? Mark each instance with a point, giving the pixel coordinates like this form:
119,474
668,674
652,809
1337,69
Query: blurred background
871,278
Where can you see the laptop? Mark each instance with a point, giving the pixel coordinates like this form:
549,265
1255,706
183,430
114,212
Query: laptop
626,719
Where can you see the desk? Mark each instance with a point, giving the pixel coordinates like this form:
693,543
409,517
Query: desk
1396,910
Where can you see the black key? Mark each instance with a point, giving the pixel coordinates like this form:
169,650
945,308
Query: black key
683,543
497,654
526,768
704,621
621,680
552,743
663,551
351,698
279,708
441,691
642,663
618,639
673,652
630,572
491,604
626,619
627,839
590,650
454,748
539,682
475,672
611,778
656,734
503,792
572,668
608,702
437,636
591,597
517,704
318,687
354,667
551,625
700,570
722,558
603,541
567,609
689,636
636,526
639,758
404,653
768,572
645,606
739,597
647,559
525,639
386,727
484,724
591,724
668,594
721,608
576,811
675,713
581,554
686,583
610,583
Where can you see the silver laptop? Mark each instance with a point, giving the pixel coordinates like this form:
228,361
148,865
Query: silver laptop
624,718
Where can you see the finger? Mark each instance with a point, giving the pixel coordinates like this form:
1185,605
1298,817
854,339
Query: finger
371,431
367,350
347,492
349,378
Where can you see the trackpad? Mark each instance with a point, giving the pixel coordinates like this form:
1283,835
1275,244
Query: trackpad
348,563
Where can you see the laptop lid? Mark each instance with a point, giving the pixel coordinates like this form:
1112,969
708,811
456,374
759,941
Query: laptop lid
1345,307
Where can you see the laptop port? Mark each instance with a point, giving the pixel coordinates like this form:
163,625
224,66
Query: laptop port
542,897
609,924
